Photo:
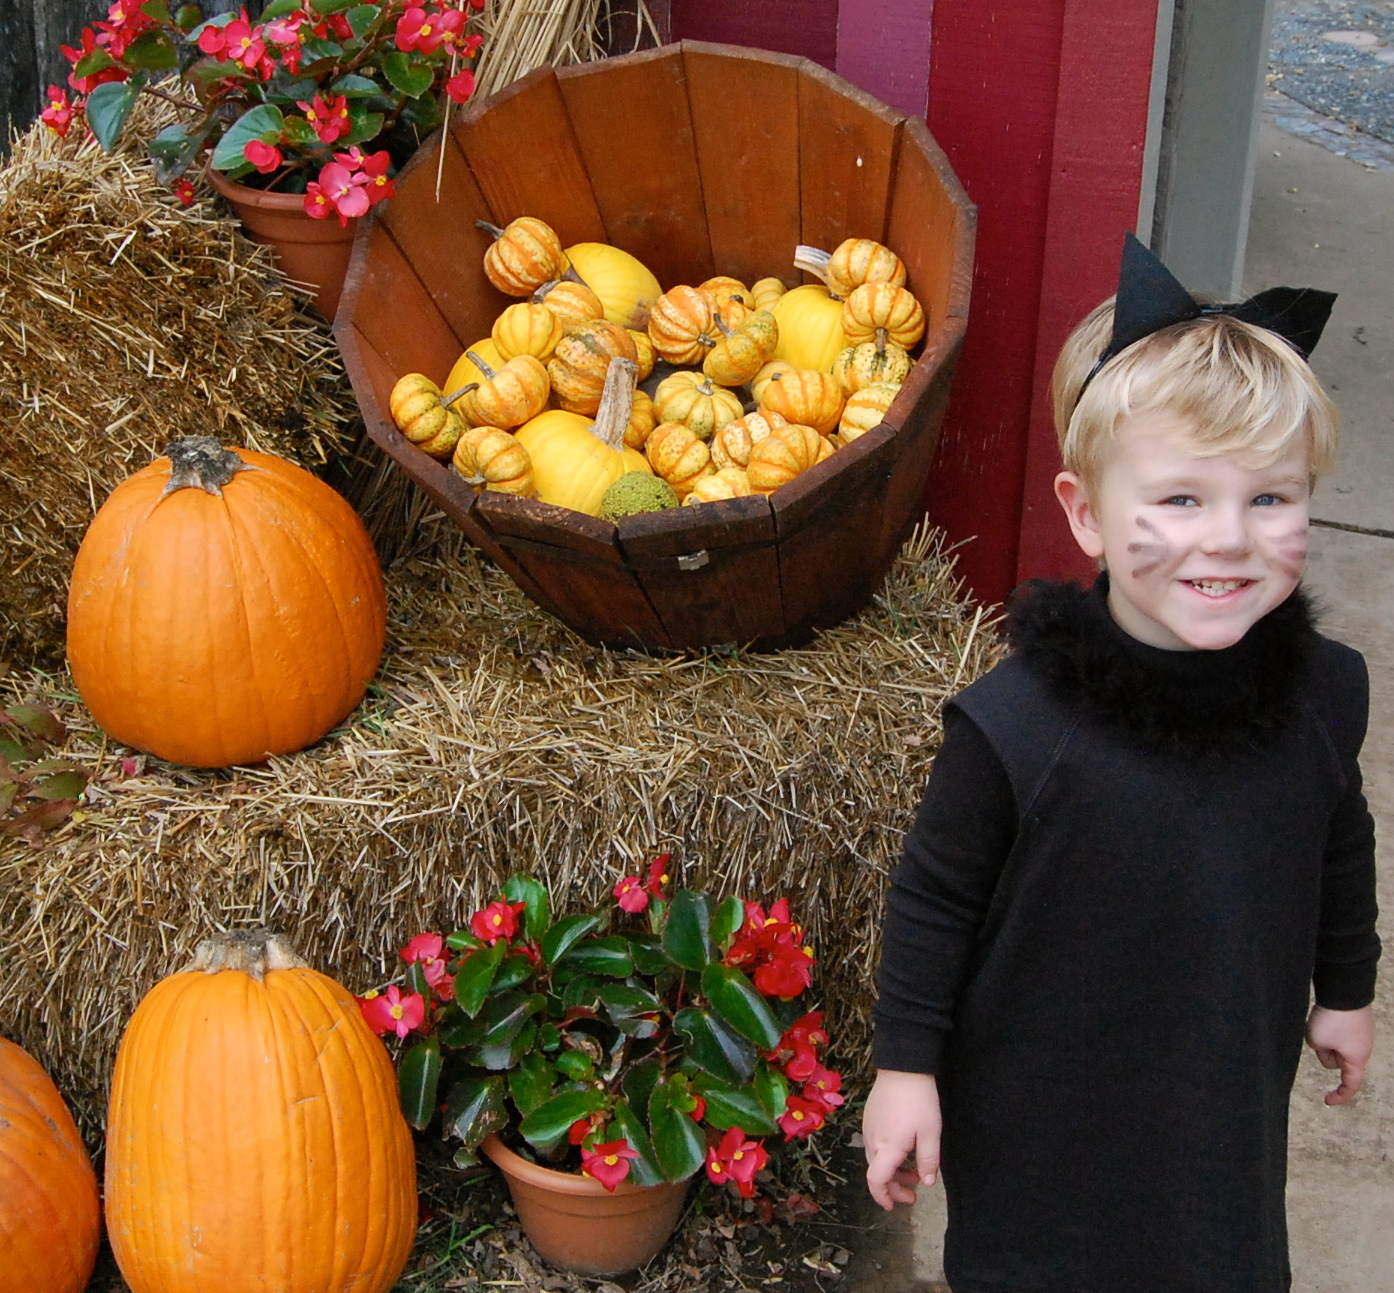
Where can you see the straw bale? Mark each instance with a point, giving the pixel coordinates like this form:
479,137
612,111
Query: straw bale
495,740
126,321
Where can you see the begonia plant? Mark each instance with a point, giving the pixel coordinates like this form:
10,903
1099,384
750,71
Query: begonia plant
325,98
642,1041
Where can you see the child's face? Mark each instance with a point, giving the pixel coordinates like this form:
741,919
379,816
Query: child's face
1197,548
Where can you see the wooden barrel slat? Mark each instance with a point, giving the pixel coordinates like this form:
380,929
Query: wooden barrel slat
632,121
928,212
440,241
847,155
396,314
576,561
748,153
829,522
524,155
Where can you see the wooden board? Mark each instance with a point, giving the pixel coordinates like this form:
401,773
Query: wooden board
748,155
520,145
710,571
576,561
635,131
847,155
441,241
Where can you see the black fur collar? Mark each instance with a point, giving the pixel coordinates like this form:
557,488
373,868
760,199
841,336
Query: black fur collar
1194,702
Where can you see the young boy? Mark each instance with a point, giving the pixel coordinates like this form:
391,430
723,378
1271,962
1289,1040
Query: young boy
1144,841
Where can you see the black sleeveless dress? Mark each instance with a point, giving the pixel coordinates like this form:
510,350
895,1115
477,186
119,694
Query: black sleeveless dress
1128,871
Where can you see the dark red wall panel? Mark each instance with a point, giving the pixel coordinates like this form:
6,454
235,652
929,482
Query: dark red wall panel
807,28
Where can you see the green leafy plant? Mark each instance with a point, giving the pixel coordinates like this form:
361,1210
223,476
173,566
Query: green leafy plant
642,1041
289,102
38,791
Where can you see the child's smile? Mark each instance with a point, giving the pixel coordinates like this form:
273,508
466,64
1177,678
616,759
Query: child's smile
1197,548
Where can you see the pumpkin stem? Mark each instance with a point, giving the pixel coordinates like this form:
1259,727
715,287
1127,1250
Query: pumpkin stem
253,951
814,261
616,402
201,462
492,229
489,373
882,336
572,276
450,399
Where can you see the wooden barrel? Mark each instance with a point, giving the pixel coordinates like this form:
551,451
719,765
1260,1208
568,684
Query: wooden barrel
699,159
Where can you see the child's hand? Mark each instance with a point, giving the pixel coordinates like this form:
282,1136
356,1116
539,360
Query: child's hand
901,1118
1342,1039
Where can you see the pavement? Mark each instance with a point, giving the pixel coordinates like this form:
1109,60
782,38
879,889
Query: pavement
1323,215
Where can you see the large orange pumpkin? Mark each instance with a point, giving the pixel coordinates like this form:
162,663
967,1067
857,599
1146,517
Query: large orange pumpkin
225,606
255,1140
50,1219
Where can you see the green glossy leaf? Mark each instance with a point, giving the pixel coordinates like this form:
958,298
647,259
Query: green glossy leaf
516,969
645,1169
545,1126
504,1016
678,1142
417,1079
315,51
416,980
530,1083
153,51
331,6
361,17
565,934
608,956
108,107
730,916
624,1001
639,1083
188,16
461,938
460,1032
411,76
537,909
475,974
262,122
157,10
715,1047
647,953
173,150
576,1065
95,60
64,785
771,1087
279,9
353,86
686,936
741,1005
582,991
503,1054
473,1109
729,1106
549,1037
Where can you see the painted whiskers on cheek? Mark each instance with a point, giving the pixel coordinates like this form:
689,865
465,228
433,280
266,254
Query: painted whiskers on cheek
1155,553
1290,555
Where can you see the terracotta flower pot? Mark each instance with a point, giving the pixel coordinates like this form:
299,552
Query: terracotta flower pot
310,251
575,1223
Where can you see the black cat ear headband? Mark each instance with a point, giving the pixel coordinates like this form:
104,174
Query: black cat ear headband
1150,299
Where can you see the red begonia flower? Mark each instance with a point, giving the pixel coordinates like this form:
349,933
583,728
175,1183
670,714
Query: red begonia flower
787,973
608,1163
330,118
427,951
59,114
823,1085
802,1065
497,920
801,1117
630,894
658,874
392,1011
736,1159
86,84
460,86
265,157
184,191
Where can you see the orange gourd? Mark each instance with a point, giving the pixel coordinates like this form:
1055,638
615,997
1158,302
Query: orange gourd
695,401
255,1140
762,378
810,399
522,256
225,606
678,456
682,325
646,355
784,454
729,482
419,409
642,420
875,310
732,444
722,288
570,301
50,1217
742,351
582,359
853,262
507,397
490,458
764,292
527,329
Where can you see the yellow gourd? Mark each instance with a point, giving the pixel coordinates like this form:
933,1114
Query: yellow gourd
575,460
855,261
623,283
866,409
784,454
872,361
810,328
761,380
732,444
491,458
571,302
678,456
765,292
642,420
693,400
647,356
466,371
804,397
876,310
729,482
508,396
418,408
527,329
742,352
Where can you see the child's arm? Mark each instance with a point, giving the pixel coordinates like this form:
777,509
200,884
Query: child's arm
1342,1039
901,1118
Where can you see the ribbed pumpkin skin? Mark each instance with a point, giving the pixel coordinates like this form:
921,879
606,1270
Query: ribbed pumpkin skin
50,1218
212,631
255,1142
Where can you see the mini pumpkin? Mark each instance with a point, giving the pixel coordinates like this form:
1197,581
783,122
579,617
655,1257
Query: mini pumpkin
491,458
743,351
418,408
624,284
508,397
728,482
678,456
695,401
872,361
761,379
527,329
877,308
579,364
523,256
804,397
464,372
722,287
645,355
764,292
642,420
810,327
866,409
784,454
853,262
570,301
732,444
682,325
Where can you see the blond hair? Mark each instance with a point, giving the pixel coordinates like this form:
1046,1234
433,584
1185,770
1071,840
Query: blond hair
1242,388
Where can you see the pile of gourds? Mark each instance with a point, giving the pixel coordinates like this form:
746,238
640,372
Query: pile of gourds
767,381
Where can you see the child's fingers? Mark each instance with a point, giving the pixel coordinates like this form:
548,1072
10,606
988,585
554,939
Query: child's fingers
1352,1079
886,1179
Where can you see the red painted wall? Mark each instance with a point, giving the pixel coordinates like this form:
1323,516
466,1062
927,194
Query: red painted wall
807,28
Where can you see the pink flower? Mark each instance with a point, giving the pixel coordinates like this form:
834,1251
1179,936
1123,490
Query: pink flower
317,203
373,168
823,1086
460,86
393,1012
630,894
59,114
125,21
426,951
608,1163
264,157
736,1159
184,191
801,1117
330,118
86,84
499,919
425,33
238,40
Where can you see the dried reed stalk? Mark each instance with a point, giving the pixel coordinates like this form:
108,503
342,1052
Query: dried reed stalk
495,740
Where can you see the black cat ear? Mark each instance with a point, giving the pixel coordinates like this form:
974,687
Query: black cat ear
1149,298
1297,314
